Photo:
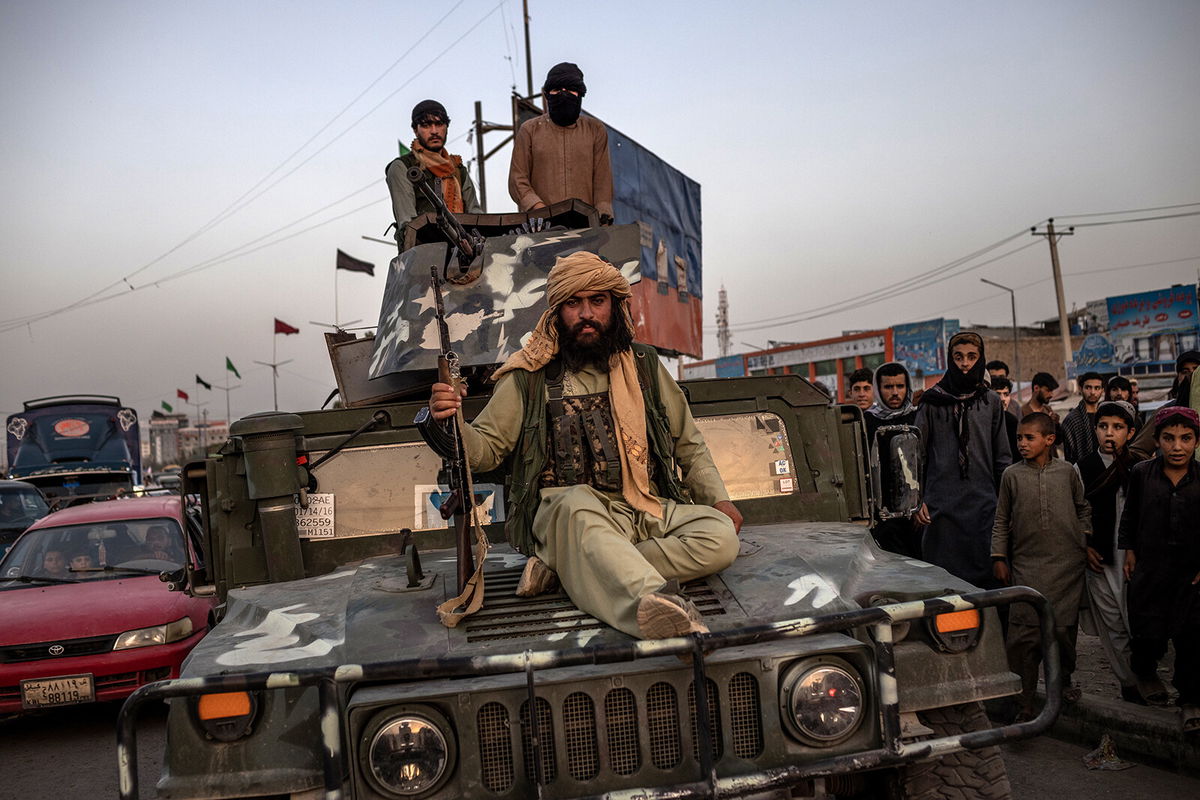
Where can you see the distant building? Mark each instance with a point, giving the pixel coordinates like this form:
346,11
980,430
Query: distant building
196,440
164,438
827,360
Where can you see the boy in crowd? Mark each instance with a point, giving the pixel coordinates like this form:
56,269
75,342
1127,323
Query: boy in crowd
1105,474
1003,387
1042,520
1119,388
1161,540
862,390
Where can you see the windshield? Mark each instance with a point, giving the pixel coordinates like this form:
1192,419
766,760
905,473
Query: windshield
20,507
100,551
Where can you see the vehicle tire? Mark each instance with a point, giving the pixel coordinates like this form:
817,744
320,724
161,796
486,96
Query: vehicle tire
966,775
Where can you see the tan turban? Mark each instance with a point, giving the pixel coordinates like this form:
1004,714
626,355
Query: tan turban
587,272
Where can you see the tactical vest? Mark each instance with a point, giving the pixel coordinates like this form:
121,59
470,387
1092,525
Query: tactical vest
422,205
583,439
532,462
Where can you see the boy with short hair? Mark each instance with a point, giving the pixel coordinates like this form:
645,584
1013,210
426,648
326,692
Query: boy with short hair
1038,537
1161,539
1105,474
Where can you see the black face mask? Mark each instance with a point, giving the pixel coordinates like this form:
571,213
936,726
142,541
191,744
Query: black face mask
563,108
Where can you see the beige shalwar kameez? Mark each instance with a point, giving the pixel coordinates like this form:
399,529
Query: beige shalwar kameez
606,553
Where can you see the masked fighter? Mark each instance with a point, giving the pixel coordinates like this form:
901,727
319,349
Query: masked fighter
602,428
562,155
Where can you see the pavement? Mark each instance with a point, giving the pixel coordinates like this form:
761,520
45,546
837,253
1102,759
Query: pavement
1149,734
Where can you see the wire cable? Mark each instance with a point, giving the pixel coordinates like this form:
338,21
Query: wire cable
1128,211
1139,219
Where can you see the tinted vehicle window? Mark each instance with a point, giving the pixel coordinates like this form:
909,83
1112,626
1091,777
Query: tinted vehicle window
81,552
752,453
21,505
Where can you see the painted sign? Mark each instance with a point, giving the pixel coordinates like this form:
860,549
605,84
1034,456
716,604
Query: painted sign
1160,311
921,346
1094,355
731,367
1153,327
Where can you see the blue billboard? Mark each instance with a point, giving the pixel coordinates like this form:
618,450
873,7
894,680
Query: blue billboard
921,346
1153,327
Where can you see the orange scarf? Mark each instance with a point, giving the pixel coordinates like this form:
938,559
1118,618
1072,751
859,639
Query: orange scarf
445,166
587,272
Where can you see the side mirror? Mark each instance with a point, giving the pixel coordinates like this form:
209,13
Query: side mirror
897,463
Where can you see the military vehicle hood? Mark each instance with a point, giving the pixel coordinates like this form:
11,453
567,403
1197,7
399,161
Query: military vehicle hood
347,616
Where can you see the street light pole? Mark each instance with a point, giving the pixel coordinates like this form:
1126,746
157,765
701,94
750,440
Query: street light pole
1016,340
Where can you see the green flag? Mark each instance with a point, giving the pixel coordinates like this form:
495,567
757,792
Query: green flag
230,367
403,150
167,406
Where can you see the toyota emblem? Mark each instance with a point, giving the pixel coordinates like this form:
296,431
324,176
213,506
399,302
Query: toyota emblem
57,649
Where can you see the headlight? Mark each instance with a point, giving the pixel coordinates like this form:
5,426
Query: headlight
822,701
409,754
159,634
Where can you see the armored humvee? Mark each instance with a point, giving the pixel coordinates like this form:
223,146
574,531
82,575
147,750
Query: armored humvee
832,667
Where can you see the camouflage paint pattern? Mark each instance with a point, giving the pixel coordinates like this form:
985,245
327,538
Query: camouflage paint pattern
489,317
699,649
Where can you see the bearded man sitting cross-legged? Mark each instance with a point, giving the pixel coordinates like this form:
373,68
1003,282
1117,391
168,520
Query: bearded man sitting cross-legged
602,432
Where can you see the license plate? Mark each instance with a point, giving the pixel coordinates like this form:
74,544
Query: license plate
62,691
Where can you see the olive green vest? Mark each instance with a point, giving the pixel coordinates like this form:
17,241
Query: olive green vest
529,457
422,205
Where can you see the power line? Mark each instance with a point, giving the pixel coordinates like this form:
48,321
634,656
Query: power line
859,303
1127,211
86,301
229,210
1139,219
1065,275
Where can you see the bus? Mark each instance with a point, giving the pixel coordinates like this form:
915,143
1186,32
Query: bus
75,446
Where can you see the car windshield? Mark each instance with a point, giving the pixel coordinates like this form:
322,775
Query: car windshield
98,551
21,506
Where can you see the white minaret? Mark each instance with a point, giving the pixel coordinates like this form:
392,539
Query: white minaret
722,323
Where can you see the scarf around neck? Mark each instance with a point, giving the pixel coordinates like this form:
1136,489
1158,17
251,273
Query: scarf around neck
958,391
445,166
587,272
881,411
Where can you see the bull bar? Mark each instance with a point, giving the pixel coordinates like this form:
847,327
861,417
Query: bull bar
880,619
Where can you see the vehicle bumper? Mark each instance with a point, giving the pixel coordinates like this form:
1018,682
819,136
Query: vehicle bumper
117,674
891,749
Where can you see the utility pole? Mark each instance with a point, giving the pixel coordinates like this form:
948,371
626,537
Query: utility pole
528,57
1063,324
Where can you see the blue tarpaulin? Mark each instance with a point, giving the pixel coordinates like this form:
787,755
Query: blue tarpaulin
647,189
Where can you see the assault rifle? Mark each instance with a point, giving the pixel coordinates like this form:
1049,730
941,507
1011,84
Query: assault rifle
468,245
447,440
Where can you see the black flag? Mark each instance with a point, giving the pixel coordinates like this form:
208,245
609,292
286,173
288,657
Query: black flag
353,264
204,383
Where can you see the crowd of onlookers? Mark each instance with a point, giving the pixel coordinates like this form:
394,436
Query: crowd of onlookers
1099,511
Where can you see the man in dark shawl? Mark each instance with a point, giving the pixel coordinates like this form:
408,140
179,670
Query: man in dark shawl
893,406
966,450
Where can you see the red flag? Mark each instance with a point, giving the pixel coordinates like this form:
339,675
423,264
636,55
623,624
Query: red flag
180,393
284,328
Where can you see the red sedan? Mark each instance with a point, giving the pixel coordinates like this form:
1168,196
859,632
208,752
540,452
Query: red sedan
84,616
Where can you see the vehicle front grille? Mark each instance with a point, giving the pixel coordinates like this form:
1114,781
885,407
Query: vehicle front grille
15,653
621,743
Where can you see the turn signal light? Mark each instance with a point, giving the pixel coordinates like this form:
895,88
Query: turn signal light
957,621
225,716
225,704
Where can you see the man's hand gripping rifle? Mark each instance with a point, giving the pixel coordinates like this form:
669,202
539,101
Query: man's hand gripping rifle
447,440
468,245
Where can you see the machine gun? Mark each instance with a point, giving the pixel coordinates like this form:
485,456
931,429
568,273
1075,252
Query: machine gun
460,505
468,245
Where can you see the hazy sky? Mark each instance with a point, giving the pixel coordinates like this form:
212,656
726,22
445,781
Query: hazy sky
841,146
